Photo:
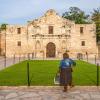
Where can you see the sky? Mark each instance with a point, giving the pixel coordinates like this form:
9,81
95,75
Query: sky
21,11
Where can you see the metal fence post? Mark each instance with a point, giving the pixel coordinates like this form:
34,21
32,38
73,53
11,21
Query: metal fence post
87,57
97,74
14,59
32,56
95,59
19,58
43,55
5,61
28,76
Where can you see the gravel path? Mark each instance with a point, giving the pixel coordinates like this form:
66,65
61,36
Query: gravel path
49,93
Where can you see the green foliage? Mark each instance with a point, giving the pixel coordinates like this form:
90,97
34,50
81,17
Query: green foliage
96,18
42,72
77,15
3,27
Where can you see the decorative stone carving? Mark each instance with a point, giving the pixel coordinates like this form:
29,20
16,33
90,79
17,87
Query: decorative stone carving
66,35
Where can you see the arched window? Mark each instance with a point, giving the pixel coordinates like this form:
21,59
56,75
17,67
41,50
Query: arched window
79,56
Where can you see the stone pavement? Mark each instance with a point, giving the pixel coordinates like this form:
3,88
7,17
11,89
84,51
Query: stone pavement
49,93
9,61
92,61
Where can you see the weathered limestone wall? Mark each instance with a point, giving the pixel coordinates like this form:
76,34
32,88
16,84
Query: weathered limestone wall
2,43
12,37
34,37
89,36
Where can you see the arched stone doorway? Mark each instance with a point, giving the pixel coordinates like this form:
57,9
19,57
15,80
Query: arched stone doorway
50,50
79,56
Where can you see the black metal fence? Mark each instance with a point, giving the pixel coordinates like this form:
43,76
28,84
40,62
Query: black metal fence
91,58
97,83
8,61
16,58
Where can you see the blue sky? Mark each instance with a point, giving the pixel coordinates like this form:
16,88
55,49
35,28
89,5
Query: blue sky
21,11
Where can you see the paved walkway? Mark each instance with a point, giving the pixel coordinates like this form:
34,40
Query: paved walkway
92,61
4,63
49,93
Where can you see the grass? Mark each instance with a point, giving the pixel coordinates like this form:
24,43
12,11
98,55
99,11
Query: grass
42,72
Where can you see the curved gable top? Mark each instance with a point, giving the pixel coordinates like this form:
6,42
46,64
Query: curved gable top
52,17
51,12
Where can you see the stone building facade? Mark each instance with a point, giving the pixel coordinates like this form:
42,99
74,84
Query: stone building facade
51,36
2,43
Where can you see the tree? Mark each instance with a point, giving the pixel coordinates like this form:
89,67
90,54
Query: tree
77,15
3,27
96,18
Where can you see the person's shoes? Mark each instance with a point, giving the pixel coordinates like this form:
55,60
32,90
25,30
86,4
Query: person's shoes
71,86
65,90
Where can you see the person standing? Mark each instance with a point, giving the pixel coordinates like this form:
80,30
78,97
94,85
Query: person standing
66,70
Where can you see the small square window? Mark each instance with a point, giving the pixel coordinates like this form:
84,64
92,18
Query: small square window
19,30
50,29
19,43
81,30
83,43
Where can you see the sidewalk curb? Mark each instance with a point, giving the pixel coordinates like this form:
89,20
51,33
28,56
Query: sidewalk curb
47,87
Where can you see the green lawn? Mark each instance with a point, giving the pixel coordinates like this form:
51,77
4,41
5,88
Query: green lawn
42,72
